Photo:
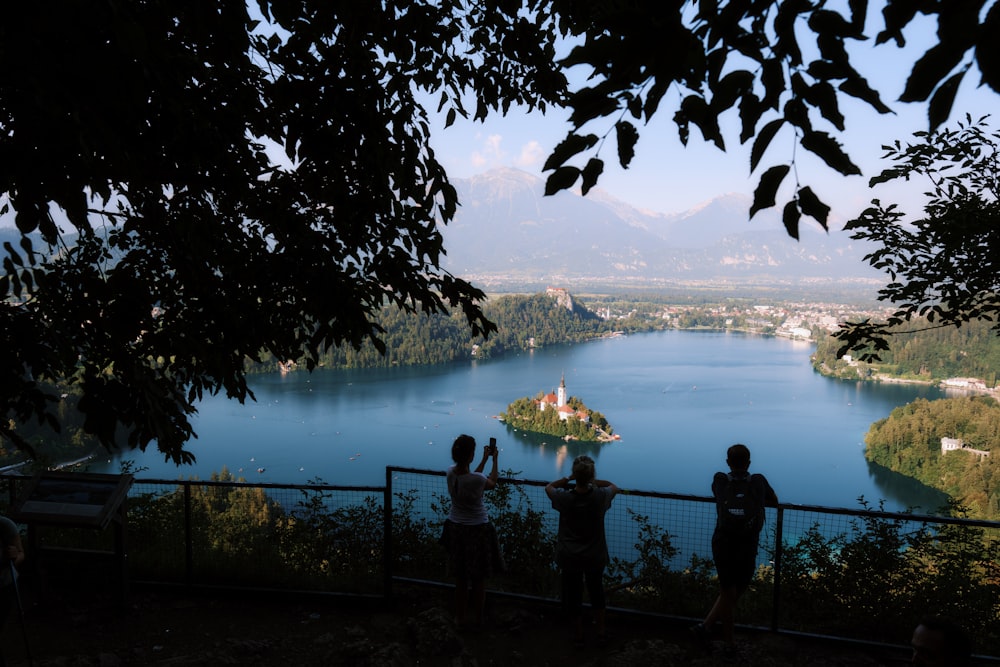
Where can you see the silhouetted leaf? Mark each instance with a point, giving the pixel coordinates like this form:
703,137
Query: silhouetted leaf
767,188
627,136
940,105
763,140
773,78
988,48
797,114
927,72
786,42
590,103
811,205
567,148
562,178
699,113
591,171
825,21
859,11
858,87
823,96
827,148
790,218
732,86
653,97
751,110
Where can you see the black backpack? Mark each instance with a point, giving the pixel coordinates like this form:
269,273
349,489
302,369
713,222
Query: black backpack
741,508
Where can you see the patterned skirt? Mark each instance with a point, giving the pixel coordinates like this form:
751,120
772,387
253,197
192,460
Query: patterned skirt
473,551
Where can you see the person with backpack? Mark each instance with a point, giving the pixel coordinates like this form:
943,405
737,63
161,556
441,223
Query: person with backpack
740,499
581,545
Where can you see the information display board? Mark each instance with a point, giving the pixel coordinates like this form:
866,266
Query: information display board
71,499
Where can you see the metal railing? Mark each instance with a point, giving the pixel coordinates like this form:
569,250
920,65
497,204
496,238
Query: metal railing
902,566
359,540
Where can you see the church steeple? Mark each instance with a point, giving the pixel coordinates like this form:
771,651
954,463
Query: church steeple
561,396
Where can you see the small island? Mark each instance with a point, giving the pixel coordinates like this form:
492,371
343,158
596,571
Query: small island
558,415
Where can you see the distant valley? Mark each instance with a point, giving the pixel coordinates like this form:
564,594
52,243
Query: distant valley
507,231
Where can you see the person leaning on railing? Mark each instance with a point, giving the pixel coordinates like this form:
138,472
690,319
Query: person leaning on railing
471,540
581,545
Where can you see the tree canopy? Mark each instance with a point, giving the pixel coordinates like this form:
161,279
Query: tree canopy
193,185
944,267
778,65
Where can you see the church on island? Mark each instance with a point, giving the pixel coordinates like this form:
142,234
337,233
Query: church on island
557,402
559,414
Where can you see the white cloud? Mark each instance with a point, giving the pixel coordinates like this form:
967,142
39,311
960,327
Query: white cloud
532,155
491,152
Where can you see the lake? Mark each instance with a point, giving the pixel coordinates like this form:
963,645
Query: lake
678,399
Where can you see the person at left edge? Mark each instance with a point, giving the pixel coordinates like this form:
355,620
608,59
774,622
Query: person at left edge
12,551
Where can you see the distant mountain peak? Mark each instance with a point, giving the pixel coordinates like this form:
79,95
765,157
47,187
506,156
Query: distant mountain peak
507,230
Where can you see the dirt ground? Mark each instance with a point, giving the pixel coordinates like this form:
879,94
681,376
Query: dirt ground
179,627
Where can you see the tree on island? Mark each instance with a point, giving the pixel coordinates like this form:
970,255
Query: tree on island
266,184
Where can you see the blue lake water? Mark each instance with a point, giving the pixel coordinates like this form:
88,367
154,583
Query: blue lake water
678,399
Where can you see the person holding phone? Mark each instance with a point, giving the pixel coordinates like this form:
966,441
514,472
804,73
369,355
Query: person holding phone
471,540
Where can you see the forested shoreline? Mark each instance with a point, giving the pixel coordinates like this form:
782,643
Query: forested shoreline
928,355
909,442
523,322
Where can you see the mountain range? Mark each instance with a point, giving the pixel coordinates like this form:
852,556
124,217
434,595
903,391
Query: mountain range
507,235
507,230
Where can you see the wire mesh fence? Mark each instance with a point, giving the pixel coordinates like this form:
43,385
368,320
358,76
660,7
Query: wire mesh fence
859,574
224,533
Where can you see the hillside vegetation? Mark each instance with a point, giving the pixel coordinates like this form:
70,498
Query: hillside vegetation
523,321
908,441
930,355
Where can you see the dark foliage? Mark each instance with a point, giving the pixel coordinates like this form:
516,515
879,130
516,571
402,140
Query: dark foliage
944,267
784,68
242,185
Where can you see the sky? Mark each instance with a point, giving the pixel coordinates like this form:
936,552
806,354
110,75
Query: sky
667,177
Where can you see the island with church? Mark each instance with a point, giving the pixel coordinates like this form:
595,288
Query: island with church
558,414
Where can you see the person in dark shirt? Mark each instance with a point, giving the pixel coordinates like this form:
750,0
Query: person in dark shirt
581,546
735,539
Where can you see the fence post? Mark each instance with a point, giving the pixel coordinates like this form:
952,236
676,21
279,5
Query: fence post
387,535
778,541
188,538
